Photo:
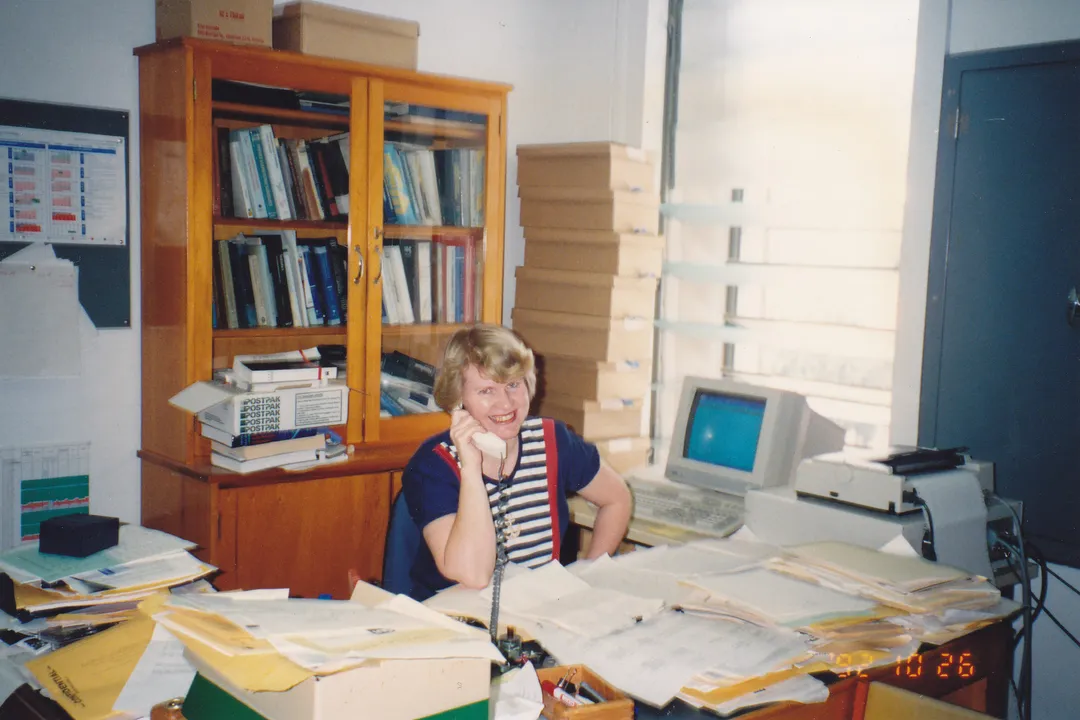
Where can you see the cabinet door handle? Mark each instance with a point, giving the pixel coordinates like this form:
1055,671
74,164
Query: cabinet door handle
360,264
378,254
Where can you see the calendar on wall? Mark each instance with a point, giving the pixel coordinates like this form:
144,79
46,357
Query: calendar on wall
38,482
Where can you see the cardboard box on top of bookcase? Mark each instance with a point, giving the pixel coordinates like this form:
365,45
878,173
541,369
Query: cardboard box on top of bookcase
586,295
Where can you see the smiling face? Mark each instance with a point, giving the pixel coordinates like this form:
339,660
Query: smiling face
499,407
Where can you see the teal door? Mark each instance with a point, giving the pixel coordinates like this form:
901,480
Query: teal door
1001,366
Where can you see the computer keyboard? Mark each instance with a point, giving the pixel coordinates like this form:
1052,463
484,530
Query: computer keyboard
692,508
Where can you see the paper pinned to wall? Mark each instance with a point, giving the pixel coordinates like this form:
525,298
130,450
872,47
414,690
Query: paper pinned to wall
38,482
39,315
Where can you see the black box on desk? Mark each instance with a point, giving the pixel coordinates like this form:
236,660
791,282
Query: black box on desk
78,535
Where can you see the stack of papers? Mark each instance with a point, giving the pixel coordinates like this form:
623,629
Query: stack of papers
911,584
551,595
733,623
763,596
264,641
928,602
143,562
653,660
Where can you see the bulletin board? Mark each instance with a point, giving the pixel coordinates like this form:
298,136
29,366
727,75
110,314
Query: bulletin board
65,172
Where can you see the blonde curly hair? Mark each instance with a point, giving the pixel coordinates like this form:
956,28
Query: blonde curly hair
497,351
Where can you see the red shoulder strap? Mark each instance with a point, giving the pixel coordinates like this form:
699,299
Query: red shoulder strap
552,451
444,452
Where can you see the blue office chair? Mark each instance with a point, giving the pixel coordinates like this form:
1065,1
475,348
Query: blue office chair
403,540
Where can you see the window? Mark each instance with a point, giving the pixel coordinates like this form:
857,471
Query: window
785,167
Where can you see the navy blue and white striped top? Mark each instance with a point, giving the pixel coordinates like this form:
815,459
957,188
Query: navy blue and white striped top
553,462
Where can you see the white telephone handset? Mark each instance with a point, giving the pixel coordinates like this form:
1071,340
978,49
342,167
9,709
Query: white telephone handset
488,442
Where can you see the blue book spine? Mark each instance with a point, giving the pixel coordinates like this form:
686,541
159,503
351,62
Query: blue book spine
389,217
313,281
264,173
459,283
456,187
398,185
273,436
245,294
390,405
327,288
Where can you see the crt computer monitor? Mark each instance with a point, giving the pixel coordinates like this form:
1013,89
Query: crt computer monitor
733,437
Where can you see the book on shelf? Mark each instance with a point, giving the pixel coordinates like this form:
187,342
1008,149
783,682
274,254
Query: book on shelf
406,367
397,283
269,449
327,286
324,103
437,280
269,279
264,463
235,441
412,397
261,283
317,308
264,176
426,186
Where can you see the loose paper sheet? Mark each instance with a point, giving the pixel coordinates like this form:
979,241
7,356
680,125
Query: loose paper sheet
781,599
39,318
87,677
161,674
655,658
136,543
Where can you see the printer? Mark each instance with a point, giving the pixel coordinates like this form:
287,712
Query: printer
931,500
864,478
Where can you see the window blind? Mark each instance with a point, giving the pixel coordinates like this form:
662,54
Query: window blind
786,158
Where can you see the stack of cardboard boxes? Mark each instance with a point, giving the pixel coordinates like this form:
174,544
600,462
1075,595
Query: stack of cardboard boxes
587,292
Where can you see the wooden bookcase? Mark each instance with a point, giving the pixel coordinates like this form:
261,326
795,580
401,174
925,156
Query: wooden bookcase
275,528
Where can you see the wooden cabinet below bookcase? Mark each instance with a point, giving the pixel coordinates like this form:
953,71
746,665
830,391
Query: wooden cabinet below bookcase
306,534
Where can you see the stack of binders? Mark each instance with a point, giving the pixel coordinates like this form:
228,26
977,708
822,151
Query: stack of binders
586,295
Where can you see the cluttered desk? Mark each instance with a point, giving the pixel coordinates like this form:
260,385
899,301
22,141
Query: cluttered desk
719,621
761,458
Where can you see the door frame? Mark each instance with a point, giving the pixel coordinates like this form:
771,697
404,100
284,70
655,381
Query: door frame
950,126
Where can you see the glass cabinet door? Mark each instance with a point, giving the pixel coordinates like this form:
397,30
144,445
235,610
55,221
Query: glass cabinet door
279,246
436,255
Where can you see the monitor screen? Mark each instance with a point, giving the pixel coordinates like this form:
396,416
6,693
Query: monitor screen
724,430
733,436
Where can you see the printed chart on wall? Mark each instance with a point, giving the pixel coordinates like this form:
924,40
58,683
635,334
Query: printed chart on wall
64,184
39,482
62,187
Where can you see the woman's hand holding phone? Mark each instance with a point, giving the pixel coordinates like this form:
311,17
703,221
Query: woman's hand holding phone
470,439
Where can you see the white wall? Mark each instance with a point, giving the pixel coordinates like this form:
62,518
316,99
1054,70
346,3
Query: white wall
578,74
954,27
984,24
80,53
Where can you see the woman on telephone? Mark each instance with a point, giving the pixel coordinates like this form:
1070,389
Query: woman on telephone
498,470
